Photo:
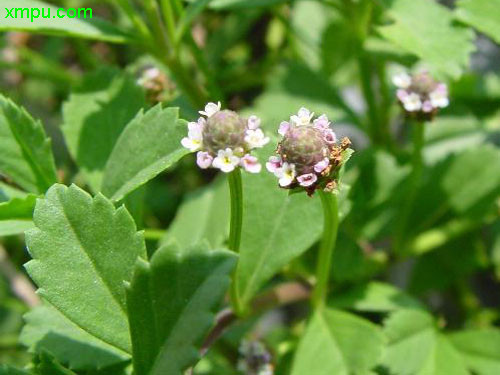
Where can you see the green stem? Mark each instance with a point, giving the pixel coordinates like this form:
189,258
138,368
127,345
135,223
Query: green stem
236,191
413,183
168,15
366,76
154,234
134,17
236,224
327,246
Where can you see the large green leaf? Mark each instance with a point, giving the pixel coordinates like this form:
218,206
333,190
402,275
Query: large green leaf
150,143
338,343
95,116
171,303
277,227
472,180
375,296
416,347
425,28
82,26
481,14
204,215
16,215
48,365
8,370
83,249
25,151
47,329
480,349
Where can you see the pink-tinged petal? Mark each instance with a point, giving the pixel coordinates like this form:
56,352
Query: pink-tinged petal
307,179
211,109
322,122
253,122
322,165
284,128
330,136
204,159
251,164
402,94
273,164
427,106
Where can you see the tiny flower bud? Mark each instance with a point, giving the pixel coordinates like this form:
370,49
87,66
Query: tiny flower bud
420,95
308,155
255,359
224,140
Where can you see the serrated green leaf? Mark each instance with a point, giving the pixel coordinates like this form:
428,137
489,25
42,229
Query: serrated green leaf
95,116
25,151
150,144
47,329
480,349
416,347
16,214
171,303
83,249
51,24
277,227
375,296
50,366
472,180
482,15
425,28
204,215
331,345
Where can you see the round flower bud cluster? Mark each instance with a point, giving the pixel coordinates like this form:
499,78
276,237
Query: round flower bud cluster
420,95
255,359
224,140
156,84
308,156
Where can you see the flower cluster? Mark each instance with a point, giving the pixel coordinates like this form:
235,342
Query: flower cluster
156,84
224,140
308,156
255,359
420,95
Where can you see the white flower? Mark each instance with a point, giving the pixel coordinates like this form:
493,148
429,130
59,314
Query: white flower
307,179
284,128
402,80
439,97
273,164
204,159
402,94
226,161
321,165
412,102
256,138
211,109
329,136
303,117
194,139
250,164
321,123
286,174
253,122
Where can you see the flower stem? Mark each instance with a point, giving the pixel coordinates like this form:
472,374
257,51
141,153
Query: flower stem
236,191
327,246
413,183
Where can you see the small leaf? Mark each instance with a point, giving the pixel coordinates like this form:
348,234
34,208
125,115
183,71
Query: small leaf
47,329
83,249
150,144
416,347
204,215
95,116
331,345
171,303
16,214
481,14
425,28
25,151
375,296
49,22
277,227
480,349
